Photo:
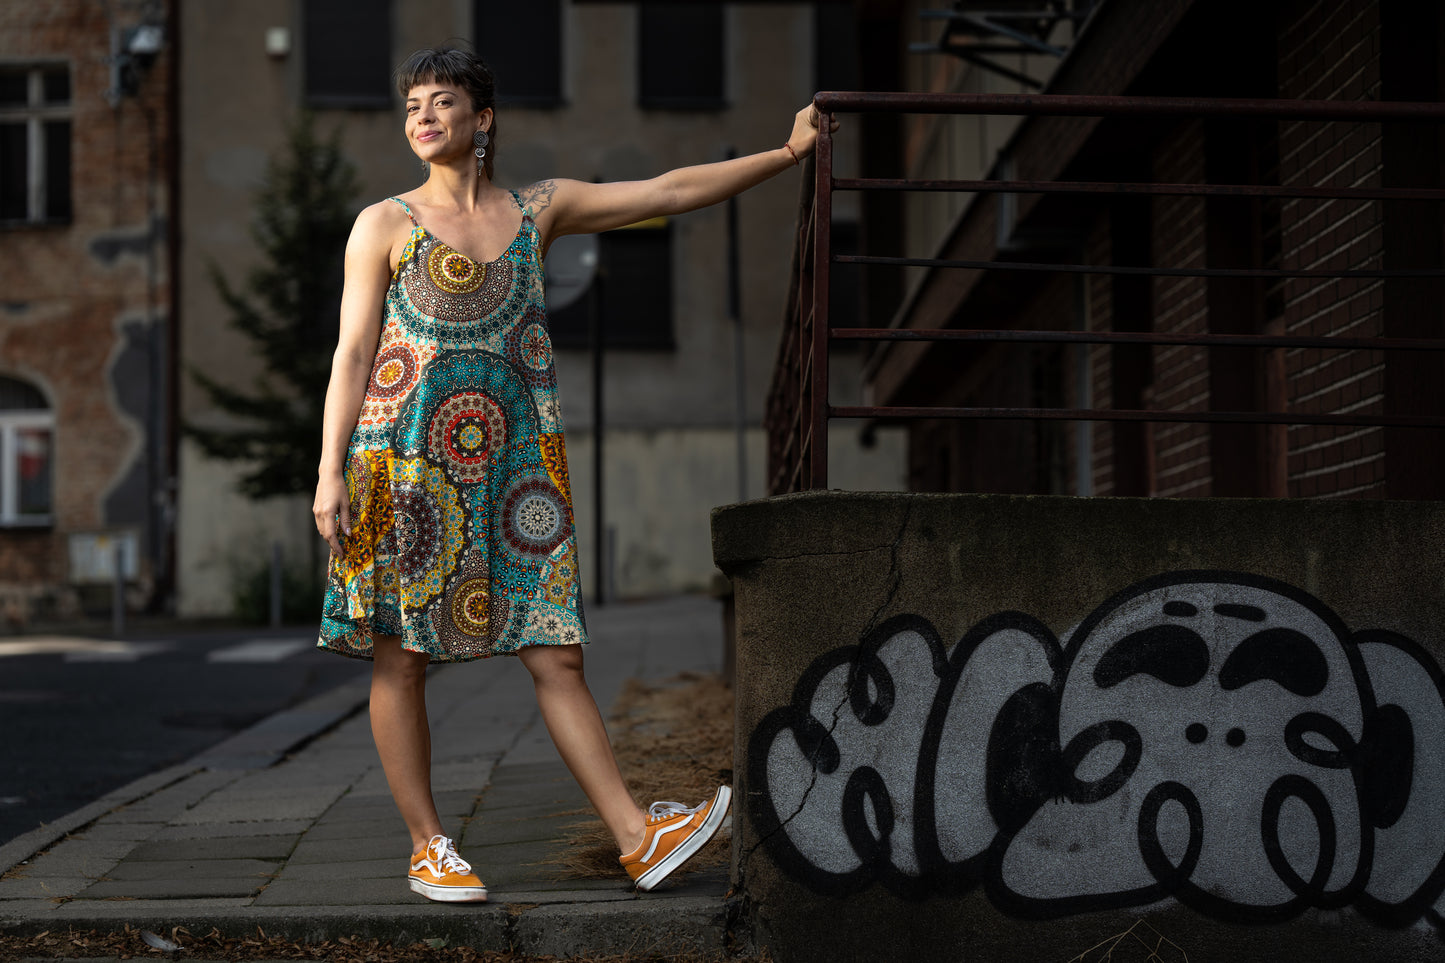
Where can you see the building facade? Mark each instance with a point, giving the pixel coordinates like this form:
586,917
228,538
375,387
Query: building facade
593,91
1356,51
86,298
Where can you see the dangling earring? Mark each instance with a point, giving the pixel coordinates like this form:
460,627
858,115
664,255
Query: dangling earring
425,169
481,139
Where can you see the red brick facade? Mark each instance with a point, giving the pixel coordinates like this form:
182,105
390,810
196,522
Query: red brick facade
1331,52
1289,49
86,301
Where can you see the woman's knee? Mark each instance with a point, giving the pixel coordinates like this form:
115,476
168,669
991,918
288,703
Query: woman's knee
552,664
393,663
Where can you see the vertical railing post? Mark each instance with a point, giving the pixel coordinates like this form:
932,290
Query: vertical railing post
822,255
800,414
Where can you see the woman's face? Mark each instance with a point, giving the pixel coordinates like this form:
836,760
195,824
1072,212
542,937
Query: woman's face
440,121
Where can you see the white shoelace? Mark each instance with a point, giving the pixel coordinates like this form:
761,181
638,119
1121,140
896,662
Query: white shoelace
664,810
444,854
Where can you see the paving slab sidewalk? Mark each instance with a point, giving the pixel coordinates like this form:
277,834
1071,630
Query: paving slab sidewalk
289,825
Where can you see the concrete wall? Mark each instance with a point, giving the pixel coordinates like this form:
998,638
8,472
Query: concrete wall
669,412
998,728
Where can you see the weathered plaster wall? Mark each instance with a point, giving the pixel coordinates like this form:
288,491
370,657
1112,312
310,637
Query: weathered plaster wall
84,303
669,413
994,728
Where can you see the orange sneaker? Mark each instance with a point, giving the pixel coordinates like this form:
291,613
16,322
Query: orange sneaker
438,873
672,835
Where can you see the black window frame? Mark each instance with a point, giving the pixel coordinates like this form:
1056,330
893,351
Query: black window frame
46,131
535,33
367,35
635,269
835,47
666,50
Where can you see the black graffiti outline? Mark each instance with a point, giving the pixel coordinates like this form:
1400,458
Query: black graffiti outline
1421,902
1042,770
1186,891
816,744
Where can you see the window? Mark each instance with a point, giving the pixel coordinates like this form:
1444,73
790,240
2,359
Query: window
348,53
680,55
835,39
27,428
635,267
35,144
522,43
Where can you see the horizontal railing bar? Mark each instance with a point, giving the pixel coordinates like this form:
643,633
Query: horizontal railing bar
1005,14
1137,337
1111,187
1036,267
1124,414
941,46
1093,105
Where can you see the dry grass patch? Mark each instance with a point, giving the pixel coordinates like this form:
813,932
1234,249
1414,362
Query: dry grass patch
674,741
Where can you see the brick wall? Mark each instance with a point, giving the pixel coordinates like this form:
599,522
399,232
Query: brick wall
1326,51
1331,52
1181,373
1101,318
76,295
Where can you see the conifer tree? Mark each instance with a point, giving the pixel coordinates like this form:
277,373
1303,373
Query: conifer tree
288,308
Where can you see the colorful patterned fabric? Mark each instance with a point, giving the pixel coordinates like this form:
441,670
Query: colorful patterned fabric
462,537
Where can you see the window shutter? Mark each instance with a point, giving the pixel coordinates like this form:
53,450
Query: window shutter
680,55
348,53
522,43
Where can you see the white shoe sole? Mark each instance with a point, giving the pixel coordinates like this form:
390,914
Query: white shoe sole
448,894
695,841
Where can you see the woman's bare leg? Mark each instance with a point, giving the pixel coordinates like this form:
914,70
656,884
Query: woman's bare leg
403,738
580,737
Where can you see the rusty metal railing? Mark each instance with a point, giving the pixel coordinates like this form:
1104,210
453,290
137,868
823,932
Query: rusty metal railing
798,407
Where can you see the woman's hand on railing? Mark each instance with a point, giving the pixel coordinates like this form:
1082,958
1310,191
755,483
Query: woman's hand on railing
805,131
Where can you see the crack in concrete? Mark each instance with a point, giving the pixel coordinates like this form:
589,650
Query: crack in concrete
813,782
897,576
895,581
848,554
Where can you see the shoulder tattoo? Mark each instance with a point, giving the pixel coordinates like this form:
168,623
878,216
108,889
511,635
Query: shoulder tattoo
537,197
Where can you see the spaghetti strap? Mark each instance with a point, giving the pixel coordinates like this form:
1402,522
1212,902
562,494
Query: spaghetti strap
409,214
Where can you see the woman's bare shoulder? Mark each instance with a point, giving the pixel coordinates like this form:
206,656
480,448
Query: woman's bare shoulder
385,216
380,227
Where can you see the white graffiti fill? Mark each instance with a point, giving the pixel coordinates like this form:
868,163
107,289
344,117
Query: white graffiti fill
1217,738
1209,730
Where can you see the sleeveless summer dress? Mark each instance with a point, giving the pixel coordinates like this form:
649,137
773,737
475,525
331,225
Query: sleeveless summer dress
462,538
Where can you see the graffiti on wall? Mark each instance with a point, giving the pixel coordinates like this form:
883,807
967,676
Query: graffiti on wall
1216,738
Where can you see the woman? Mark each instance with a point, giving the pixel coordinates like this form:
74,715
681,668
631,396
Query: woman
443,487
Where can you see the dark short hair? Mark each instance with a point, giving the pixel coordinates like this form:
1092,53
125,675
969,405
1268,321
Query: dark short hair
448,65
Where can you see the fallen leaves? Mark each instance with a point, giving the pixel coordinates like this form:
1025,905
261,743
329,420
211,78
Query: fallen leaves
131,943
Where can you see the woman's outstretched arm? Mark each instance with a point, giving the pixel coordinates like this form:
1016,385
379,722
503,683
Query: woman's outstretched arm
577,207
368,272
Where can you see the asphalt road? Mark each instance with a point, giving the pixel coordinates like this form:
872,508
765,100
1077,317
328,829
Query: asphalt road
81,717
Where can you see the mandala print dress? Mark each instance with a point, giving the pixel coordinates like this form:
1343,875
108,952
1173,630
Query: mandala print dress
462,538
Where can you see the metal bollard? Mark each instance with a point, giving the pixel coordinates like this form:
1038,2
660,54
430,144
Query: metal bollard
117,591
276,585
